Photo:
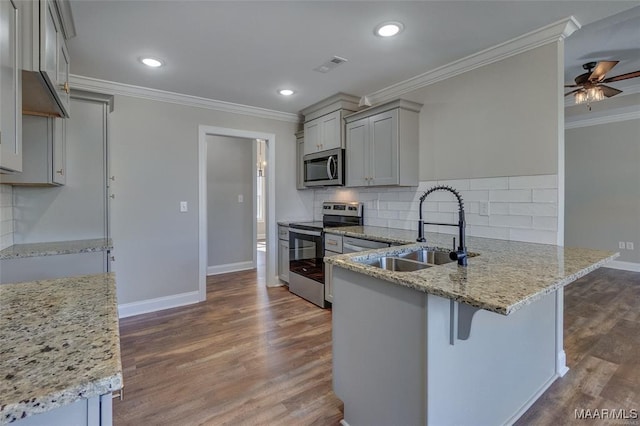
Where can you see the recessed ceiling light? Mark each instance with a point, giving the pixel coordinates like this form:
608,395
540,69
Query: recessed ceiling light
388,29
286,92
152,62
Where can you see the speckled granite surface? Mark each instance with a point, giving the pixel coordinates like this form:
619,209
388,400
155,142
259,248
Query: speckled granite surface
59,342
56,248
505,275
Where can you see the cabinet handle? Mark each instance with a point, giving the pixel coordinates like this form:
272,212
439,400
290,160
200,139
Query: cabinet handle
60,172
113,258
112,196
332,243
112,178
119,395
65,87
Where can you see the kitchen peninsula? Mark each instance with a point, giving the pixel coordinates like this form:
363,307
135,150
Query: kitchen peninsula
450,344
59,351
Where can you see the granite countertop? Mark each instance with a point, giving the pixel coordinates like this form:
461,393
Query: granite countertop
59,342
56,248
502,278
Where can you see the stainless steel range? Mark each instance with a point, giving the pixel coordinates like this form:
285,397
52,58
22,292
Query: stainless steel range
306,248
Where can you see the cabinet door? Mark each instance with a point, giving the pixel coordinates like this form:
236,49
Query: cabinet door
331,131
312,136
328,277
62,75
283,260
49,29
59,151
357,153
383,148
10,90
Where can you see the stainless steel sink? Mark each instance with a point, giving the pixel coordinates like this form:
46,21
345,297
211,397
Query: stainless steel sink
397,264
434,257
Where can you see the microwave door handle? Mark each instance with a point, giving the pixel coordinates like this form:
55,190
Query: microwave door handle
330,168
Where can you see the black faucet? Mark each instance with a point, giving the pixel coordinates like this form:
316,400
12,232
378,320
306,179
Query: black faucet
461,253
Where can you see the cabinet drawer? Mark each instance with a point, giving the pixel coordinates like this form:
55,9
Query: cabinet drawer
333,243
283,232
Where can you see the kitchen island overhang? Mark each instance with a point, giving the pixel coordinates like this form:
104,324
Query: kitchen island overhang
400,356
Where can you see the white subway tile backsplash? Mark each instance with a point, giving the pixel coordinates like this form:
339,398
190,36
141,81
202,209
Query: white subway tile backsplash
545,222
523,208
489,183
519,195
533,236
457,184
488,232
498,208
6,241
533,209
533,182
482,195
545,195
6,213
7,225
510,221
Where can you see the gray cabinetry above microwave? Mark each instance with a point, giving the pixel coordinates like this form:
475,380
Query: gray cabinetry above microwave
324,123
382,145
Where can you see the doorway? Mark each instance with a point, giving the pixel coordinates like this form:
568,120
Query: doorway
204,133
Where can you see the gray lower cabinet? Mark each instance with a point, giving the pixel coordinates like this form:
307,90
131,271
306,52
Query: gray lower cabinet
283,253
382,145
50,267
95,411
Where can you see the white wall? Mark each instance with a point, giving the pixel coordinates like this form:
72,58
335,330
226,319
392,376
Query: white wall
503,119
230,174
154,157
6,216
603,187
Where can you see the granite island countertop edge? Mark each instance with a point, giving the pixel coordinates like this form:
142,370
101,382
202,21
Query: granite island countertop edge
434,280
55,248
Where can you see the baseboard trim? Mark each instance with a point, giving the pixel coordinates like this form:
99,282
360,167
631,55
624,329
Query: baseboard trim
230,267
624,266
158,304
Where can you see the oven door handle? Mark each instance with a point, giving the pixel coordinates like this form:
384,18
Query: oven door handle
331,169
304,232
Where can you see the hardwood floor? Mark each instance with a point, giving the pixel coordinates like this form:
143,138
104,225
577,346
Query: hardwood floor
251,355
602,342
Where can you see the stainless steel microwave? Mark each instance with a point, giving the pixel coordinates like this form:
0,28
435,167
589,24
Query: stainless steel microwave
324,168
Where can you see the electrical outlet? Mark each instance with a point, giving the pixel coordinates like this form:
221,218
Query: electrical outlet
484,208
184,207
621,245
629,245
240,198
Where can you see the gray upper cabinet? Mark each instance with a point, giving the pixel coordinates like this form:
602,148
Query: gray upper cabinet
45,58
10,89
44,153
324,122
323,133
382,145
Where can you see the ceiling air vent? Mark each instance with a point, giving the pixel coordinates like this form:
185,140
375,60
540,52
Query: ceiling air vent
330,64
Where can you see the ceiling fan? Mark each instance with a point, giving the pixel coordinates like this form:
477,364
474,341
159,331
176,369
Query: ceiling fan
591,85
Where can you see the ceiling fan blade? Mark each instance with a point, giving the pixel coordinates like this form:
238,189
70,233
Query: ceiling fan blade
572,92
622,77
601,69
572,85
609,91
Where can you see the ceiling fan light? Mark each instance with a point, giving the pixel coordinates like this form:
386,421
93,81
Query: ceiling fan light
580,97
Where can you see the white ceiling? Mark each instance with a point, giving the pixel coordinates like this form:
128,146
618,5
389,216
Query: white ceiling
244,51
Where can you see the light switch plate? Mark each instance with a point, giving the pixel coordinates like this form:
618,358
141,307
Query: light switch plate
621,245
629,245
241,198
184,207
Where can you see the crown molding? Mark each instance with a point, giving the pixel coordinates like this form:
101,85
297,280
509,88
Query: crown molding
551,33
604,117
113,88
627,90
